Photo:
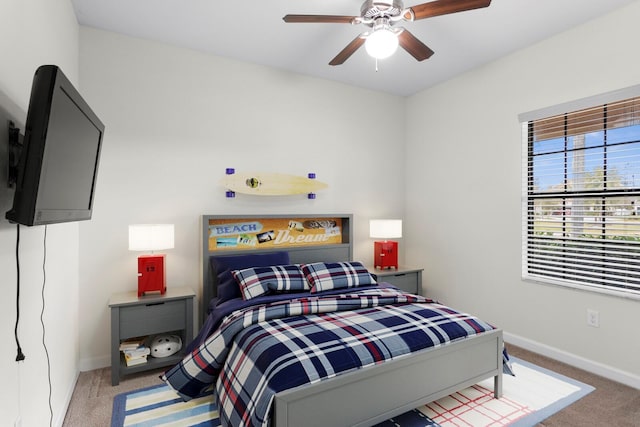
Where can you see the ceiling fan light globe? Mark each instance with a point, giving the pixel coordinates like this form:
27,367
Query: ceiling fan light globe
381,44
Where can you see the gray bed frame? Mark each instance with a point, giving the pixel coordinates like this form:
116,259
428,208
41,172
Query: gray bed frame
370,395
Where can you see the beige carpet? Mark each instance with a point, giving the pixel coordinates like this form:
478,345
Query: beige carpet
92,399
611,404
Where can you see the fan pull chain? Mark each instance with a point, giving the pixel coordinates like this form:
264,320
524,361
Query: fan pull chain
376,65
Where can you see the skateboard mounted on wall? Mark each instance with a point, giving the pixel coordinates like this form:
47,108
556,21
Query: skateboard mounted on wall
270,184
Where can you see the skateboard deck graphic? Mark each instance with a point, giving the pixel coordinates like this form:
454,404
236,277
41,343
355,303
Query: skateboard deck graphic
270,184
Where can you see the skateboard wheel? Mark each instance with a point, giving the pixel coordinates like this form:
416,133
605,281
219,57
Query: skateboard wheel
311,196
311,175
230,171
230,194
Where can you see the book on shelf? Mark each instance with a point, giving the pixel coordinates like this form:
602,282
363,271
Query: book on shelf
132,343
134,360
137,352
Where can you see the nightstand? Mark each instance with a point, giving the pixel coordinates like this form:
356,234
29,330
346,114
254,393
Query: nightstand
406,278
133,316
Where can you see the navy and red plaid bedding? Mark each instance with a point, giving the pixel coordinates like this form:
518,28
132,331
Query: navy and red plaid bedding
259,351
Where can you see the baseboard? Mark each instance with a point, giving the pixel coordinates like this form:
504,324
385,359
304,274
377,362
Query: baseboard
59,421
89,364
597,368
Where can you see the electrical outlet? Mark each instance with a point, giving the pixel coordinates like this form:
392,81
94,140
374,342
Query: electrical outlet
593,318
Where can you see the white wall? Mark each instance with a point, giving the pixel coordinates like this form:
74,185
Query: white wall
32,33
463,193
175,119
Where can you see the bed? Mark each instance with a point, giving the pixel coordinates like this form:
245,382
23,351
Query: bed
379,389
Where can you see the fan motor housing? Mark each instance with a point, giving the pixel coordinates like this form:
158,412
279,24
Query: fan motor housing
377,8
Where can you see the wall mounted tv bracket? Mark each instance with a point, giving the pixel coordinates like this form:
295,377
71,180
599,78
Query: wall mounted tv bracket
15,148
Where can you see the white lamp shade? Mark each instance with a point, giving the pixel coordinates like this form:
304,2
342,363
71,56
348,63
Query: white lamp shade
381,44
385,228
150,237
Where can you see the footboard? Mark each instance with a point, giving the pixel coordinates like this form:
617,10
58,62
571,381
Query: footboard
371,395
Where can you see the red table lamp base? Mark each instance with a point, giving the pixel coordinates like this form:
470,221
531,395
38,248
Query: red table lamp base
385,254
151,277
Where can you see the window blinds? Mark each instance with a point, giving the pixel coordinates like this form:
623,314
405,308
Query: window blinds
581,198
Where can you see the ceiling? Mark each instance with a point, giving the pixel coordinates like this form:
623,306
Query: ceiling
253,31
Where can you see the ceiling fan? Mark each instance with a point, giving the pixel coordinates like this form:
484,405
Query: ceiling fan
382,16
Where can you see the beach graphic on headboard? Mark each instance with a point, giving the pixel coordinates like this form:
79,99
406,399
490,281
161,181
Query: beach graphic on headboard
262,233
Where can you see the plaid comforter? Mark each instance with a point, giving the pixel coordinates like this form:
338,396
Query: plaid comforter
259,351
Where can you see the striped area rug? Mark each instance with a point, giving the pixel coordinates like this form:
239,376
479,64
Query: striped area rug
161,406
531,396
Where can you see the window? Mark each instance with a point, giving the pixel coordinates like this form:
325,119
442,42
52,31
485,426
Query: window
581,197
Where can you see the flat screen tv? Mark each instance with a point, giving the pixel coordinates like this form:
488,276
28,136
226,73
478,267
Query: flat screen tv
58,164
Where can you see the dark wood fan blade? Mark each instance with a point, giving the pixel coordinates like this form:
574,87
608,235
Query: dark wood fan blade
415,47
444,7
329,19
347,51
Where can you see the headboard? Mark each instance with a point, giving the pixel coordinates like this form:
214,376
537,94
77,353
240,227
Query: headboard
307,238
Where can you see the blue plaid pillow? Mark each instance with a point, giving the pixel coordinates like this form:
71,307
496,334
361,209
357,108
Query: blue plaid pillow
324,276
223,265
258,281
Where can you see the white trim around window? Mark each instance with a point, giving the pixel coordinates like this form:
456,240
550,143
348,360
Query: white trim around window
581,194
